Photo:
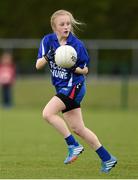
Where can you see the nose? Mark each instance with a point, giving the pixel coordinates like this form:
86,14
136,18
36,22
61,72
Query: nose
66,27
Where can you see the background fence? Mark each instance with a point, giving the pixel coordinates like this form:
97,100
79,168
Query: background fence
112,79
107,56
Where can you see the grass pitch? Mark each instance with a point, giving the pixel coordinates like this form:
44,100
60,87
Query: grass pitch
31,148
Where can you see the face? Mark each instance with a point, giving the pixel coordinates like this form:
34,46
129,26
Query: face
6,59
62,26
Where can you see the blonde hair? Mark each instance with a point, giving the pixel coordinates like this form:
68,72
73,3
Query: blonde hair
74,22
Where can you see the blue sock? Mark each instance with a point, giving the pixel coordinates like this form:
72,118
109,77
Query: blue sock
70,140
103,154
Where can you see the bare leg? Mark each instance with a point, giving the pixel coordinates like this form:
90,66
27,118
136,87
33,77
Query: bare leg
50,112
75,121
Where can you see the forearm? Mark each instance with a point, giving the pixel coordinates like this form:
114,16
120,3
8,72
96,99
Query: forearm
40,63
83,71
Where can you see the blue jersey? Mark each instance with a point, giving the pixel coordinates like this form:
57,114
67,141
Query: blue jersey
63,77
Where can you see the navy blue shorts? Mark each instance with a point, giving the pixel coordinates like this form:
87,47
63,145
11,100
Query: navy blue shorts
71,96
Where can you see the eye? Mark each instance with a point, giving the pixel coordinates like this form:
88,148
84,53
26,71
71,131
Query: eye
61,24
68,23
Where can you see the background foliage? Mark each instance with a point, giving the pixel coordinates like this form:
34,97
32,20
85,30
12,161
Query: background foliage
103,18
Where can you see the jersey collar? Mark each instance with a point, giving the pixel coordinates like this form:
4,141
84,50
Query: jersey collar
69,38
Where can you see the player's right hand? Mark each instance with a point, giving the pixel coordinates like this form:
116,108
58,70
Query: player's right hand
50,56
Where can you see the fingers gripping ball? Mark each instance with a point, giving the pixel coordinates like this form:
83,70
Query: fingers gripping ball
50,55
65,56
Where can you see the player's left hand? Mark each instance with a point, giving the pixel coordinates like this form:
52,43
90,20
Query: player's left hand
79,70
73,68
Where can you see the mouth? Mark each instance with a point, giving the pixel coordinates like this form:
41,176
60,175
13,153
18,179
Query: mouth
66,32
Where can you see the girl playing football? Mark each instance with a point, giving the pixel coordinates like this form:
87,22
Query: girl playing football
70,89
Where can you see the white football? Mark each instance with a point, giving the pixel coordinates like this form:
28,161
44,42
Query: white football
65,56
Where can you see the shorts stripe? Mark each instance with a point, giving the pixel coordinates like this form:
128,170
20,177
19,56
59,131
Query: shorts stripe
72,93
75,93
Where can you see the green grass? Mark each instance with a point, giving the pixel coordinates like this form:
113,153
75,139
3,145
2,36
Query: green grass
31,148
35,92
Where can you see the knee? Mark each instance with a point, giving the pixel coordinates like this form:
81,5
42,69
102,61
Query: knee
78,130
46,115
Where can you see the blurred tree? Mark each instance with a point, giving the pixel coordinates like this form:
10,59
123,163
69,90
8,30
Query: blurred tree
104,18
122,18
